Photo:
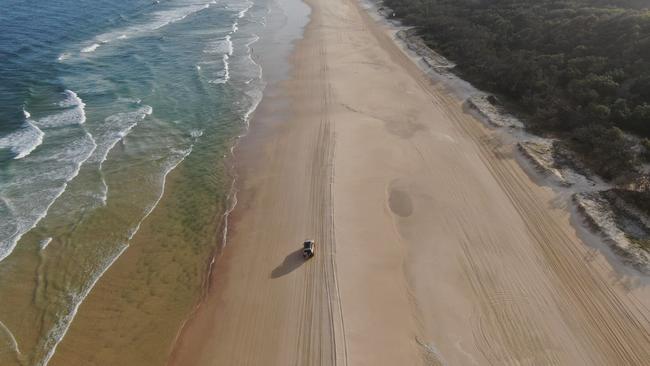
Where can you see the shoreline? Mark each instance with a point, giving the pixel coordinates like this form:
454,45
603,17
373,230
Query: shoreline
231,197
230,204
245,155
229,219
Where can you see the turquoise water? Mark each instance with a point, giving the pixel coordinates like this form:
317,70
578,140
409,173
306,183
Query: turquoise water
173,69
99,102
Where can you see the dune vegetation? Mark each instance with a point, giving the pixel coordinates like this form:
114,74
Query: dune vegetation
577,70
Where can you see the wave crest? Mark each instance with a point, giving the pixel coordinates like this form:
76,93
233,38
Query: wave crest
74,112
159,19
23,141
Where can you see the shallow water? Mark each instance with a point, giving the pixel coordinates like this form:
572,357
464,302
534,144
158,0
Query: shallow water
116,119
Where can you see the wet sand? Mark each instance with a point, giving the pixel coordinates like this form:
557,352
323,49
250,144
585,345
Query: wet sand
433,245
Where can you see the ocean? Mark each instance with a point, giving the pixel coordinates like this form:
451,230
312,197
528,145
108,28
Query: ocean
117,120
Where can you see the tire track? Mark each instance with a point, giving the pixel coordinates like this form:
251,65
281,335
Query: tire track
322,312
607,326
613,334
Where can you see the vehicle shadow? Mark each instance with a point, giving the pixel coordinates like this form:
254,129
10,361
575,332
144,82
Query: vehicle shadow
290,263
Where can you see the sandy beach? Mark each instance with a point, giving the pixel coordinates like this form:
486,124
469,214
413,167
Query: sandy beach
434,246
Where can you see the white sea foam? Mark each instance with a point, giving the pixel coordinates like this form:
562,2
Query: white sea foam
71,100
44,243
129,100
173,161
221,46
74,112
114,129
158,20
31,192
103,194
195,134
224,47
229,45
92,48
62,57
12,339
224,74
24,140
254,39
146,109
226,68
255,96
232,194
249,44
243,12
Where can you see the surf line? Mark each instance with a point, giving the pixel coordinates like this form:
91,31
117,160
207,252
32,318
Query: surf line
14,343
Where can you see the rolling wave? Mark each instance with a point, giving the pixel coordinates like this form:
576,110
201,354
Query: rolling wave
159,19
47,176
23,141
220,46
224,74
90,48
114,129
74,112
244,9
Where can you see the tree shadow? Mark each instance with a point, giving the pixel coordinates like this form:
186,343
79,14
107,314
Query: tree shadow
290,263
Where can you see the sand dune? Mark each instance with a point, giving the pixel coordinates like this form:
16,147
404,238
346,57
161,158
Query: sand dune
434,246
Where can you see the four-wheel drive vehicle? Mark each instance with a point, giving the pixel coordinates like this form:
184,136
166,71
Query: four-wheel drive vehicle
308,249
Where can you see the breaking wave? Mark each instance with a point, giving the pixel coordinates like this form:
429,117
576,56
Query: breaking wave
23,141
48,175
74,112
114,129
158,20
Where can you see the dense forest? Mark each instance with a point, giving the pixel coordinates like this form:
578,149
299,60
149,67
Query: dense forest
579,70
